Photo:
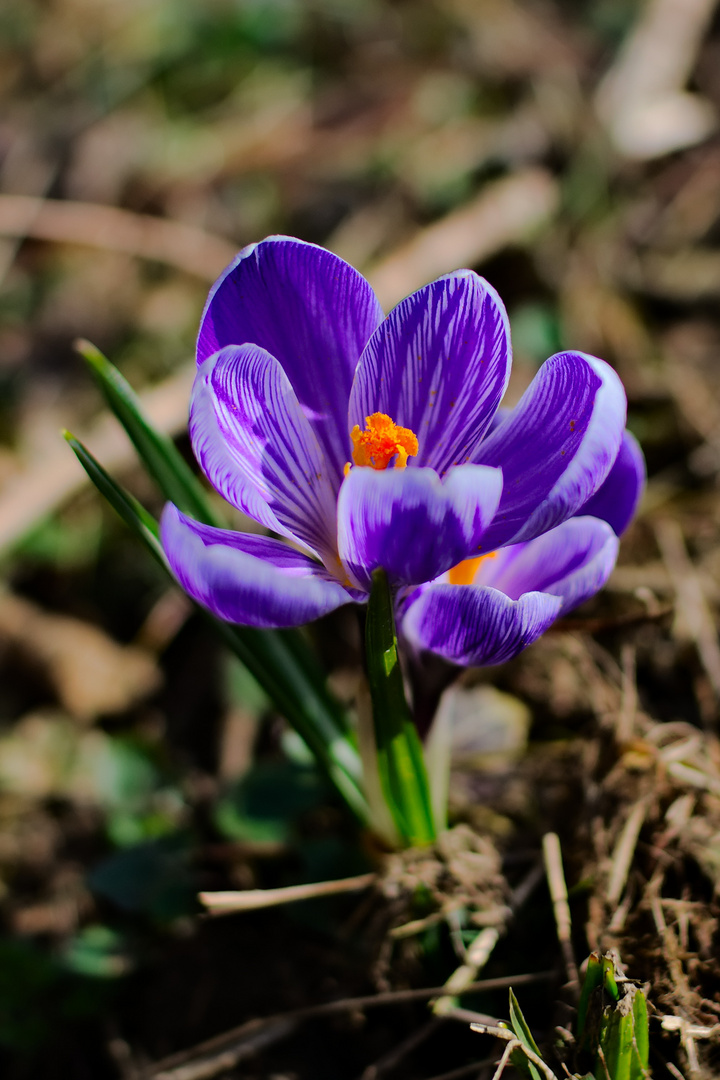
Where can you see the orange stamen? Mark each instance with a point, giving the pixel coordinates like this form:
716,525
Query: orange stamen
464,572
381,441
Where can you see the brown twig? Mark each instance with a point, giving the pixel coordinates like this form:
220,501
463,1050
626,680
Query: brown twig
642,98
505,212
225,903
477,955
185,247
513,1043
624,851
561,908
31,495
207,1066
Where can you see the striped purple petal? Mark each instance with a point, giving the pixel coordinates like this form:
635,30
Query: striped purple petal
472,625
439,365
257,448
412,523
617,499
556,447
310,310
572,561
246,579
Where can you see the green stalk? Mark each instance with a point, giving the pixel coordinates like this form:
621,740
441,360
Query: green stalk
401,762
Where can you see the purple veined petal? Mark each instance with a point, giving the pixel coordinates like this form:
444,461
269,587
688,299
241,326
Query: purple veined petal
572,561
246,579
439,365
473,625
412,523
617,499
556,447
257,448
310,310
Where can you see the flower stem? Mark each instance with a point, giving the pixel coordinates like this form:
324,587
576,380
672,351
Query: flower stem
401,763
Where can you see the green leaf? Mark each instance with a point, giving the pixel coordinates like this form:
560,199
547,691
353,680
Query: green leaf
523,1033
401,762
612,1024
642,1037
130,510
610,983
624,1038
592,982
616,1045
290,656
303,701
158,453
279,660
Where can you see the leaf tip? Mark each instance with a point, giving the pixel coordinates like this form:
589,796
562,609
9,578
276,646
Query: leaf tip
88,351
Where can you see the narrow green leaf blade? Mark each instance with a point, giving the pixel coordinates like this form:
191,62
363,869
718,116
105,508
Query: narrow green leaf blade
593,980
616,1044
610,985
401,760
178,483
519,1025
309,709
130,510
641,1056
158,453
279,661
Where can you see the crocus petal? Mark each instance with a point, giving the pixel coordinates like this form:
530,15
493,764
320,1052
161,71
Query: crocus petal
439,365
410,522
616,500
247,579
572,561
310,310
476,625
258,449
556,447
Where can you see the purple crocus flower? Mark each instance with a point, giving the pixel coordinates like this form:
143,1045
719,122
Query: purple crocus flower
366,441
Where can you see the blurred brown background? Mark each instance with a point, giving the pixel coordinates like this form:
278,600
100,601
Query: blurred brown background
569,150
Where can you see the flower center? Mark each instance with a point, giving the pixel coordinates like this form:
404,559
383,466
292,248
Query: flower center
464,572
381,441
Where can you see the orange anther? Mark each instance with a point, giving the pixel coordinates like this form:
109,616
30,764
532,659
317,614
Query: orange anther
381,441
